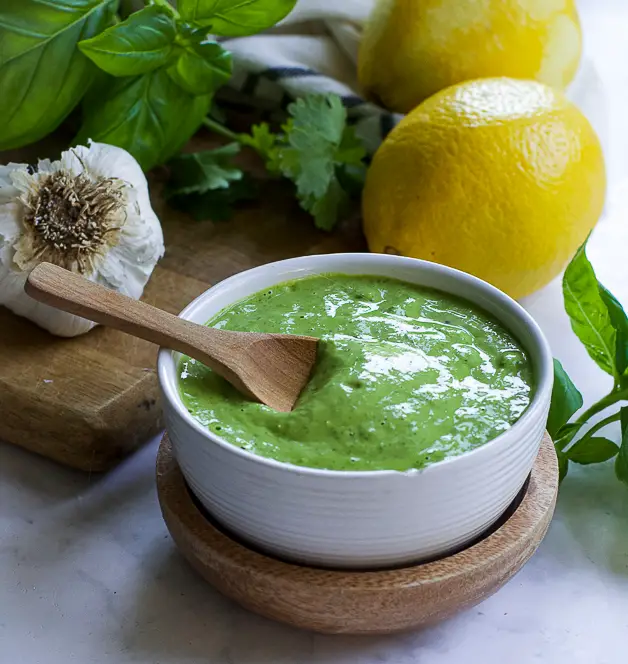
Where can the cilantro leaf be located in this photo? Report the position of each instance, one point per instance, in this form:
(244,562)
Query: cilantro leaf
(207,185)
(315,149)
(200,172)
(327,208)
(315,145)
(216,204)
(321,116)
(350,151)
(352,178)
(318,152)
(263,141)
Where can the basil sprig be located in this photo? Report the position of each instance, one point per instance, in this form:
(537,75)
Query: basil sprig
(601,324)
(162,68)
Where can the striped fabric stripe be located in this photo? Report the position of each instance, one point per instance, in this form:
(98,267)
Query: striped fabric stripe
(278,73)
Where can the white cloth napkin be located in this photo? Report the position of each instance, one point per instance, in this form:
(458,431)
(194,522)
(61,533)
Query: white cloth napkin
(315,50)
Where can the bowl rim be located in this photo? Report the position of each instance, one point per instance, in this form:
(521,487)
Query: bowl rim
(168,381)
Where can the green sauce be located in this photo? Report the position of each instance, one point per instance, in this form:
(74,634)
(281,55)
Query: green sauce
(405,376)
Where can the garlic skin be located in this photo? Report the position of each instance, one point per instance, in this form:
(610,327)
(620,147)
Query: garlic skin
(89,212)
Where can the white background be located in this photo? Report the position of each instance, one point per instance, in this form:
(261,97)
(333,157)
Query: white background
(89,574)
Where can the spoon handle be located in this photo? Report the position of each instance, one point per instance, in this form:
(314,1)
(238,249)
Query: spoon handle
(70,292)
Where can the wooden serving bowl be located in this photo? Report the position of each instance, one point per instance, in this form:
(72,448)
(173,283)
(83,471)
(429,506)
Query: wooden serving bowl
(359,602)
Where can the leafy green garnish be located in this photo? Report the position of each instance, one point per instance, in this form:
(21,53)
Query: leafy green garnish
(263,141)
(143,42)
(566,400)
(313,150)
(215,204)
(201,68)
(43,75)
(235,19)
(619,321)
(316,142)
(148,115)
(200,172)
(594,449)
(599,321)
(589,316)
(206,185)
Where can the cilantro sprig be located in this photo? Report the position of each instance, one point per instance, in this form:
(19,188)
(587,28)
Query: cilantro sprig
(315,149)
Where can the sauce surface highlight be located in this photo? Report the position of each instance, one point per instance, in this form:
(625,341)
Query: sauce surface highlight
(405,376)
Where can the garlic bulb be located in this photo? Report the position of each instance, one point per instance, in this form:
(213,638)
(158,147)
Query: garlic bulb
(88,212)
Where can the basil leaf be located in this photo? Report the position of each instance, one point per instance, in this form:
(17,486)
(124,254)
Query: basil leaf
(589,316)
(136,46)
(619,321)
(566,400)
(235,18)
(42,74)
(621,462)
(200,172)
(592,450)
(148,115)
(202,68)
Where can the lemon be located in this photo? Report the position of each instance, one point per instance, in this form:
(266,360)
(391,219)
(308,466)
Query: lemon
(498,177)
(413,48)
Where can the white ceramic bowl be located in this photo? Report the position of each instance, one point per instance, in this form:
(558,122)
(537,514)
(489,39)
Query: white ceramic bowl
(369,518)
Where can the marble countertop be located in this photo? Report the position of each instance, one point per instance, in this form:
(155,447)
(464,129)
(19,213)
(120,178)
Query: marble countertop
(89,574)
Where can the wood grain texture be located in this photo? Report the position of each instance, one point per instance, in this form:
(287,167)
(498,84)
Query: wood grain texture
(87,402)
(375,602)
(270,368)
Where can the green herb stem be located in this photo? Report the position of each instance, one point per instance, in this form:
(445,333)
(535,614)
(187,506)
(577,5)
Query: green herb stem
(602,423)
(222,130)
(603,404)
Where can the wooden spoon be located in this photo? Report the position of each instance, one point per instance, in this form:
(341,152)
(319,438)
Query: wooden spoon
(271,368)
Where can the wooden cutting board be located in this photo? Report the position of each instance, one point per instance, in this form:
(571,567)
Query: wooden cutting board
(87,402)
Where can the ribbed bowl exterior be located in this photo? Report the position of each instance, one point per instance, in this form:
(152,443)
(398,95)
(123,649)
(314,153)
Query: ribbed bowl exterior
(359,519)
